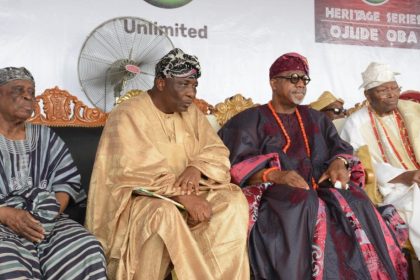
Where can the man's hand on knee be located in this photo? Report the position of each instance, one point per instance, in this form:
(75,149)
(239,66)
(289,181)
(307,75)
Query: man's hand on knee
(22,223)
(407,178)
(199,210)
(188,181)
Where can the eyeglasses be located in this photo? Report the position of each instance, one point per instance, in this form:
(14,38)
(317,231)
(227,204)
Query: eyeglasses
(336,111)
(387,91)
(294,78)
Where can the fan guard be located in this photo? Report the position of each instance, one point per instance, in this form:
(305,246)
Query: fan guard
(117,57)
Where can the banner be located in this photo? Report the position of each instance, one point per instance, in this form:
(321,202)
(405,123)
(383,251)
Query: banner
(235,41)
(381,23)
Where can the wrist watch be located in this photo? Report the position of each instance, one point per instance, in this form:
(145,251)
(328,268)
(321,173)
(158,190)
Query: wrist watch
(345,161)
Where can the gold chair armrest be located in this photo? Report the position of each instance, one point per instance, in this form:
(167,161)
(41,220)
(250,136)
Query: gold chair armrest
(370,179)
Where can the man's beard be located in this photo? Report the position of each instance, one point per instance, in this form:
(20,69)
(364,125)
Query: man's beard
(297,100)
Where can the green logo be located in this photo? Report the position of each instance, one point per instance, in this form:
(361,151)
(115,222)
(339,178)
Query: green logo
(168,4)
(375,2)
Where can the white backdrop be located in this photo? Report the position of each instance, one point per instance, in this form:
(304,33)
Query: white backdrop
(243,39)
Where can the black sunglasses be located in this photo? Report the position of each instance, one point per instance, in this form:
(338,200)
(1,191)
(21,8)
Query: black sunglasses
(294,78)
(336,111)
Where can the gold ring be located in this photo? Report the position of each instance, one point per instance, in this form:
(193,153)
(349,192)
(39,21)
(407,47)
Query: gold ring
(189,182)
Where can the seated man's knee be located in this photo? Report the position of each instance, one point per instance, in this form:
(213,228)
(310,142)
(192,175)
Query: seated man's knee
(163,210)
(234,202)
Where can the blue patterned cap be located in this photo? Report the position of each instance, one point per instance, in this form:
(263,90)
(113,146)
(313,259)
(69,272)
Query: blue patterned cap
(13,73)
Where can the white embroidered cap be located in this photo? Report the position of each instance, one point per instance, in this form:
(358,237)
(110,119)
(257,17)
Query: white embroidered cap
(377,74)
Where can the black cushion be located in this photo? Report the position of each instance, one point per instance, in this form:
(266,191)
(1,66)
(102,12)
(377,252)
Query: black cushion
(82,143)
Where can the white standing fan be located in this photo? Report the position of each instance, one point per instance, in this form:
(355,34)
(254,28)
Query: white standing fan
(120,55)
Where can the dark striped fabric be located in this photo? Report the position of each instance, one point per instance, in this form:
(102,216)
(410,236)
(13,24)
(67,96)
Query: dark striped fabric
(31,171)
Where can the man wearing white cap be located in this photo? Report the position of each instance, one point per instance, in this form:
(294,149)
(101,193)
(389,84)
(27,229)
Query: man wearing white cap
(391,129)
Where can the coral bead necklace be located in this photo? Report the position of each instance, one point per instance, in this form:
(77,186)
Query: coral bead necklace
(403,134)
(287,137)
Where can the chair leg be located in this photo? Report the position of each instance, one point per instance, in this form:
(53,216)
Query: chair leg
(415,264)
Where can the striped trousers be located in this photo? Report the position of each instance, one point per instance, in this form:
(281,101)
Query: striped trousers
(68,252)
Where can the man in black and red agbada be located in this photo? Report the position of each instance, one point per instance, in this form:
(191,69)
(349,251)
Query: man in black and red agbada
(309,217)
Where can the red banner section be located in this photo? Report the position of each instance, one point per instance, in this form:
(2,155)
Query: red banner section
(382,23)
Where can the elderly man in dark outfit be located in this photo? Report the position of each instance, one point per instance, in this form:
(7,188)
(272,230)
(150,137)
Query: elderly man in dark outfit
(312,220)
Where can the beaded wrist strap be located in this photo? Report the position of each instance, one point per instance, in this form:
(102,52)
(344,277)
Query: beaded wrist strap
(345,161)
(268,171)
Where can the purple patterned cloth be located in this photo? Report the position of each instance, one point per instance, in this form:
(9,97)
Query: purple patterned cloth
(308,234)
